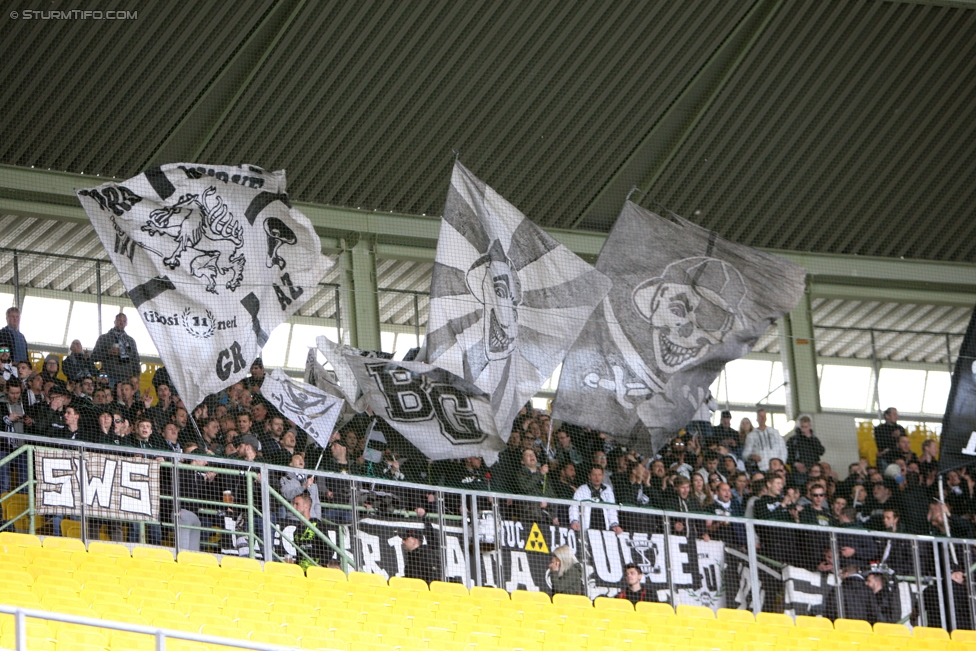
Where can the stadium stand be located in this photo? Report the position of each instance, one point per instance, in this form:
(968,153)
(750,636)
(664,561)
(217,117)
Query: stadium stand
(326,609)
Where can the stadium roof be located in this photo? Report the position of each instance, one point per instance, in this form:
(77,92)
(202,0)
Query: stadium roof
(842,127)
(838,127)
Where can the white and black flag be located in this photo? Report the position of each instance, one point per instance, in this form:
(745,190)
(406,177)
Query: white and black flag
(684,302)
(444,416)
(312,409)
(506,299)
(957,446)
(213,258)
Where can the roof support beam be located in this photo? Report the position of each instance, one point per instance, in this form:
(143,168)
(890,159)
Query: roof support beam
(50,195)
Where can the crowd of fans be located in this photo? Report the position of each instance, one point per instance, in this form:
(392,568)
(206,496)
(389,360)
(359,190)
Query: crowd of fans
(749,471)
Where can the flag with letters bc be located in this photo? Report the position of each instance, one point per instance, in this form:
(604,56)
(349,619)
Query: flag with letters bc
(684,302)
(213,258)
(957,444)
(506,299)
(443,415)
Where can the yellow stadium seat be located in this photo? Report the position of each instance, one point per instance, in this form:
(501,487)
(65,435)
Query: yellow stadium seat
(700,612)
(365,578)
(70,528)
(134,641)
(775,619)
(821,623)
(444,587)
(325,574)
(19,539)
(882,628)
(572,600)
(734,614)
(404,583)
(240,563)
(962,635)
(652,608)
(930,633)
(930,644)
(620,605)
(57,542)
(197,559)
(536,597)
(486,592)
(284,569)
(852,626)
(154,554)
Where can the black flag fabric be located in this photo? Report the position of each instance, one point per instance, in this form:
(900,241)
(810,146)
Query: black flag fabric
(684,302)
(957,445)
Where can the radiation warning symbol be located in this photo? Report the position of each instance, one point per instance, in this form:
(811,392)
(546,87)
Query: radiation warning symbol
(536,543)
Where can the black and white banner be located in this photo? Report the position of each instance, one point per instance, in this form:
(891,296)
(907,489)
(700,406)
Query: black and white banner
(521,555)
(115,487)
(957,445)
(213,258)
(506,299)
(441,414)
(683,303)
(310,408)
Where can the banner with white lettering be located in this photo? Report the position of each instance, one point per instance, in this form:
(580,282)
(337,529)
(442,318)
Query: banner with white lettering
(957,445)
(684,302)
(213,258)
(437,411)
(115,487)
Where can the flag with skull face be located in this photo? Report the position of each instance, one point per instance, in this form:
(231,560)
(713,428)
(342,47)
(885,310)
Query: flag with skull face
(684,302)
(506,299)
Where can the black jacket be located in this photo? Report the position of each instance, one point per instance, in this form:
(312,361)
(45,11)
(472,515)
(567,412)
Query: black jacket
(424,562)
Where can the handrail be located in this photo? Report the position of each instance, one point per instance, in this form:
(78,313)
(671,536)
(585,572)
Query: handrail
(20,615)
(346,559)
(255,465)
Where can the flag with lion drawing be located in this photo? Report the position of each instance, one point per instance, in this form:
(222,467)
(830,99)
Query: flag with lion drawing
(213,258)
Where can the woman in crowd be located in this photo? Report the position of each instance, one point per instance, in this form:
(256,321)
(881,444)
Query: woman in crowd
(565,572)
(700,493)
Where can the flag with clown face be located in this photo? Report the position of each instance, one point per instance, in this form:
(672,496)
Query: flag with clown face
(684,302)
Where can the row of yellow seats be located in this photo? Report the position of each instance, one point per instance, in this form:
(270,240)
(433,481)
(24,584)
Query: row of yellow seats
(250,573)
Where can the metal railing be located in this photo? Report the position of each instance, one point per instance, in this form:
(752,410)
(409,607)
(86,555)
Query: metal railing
(503,540)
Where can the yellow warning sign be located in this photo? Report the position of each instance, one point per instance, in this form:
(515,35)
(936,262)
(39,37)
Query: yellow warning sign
(536,543)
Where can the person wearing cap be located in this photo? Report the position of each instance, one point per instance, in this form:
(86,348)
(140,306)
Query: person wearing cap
(49,416)
(421,561)
(117,352)
(256,379)
(12,335)
(724,433)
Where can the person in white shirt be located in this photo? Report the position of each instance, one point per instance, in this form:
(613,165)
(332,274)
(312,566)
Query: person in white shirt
(763,443)
(595,490)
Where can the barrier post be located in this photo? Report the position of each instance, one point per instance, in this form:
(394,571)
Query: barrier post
(754,590)
(667,560)
(268,545)
(836,564)
(250,512)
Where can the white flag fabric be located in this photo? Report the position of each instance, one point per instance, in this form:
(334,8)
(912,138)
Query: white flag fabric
(312,409)
(348,384)
(213,258)
(506,299)
(375,444)
(684,302)
(444,416)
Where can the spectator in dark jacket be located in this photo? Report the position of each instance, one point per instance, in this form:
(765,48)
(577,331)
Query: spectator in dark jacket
(78,363)
(421,561)
(565,572)
(634,590)
(803,449)
(859,600)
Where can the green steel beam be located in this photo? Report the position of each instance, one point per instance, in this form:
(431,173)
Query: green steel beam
(360,304)
(50,195)
(799,354)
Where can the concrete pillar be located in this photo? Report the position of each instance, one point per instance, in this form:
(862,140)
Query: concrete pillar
(799,354)
(360,306)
